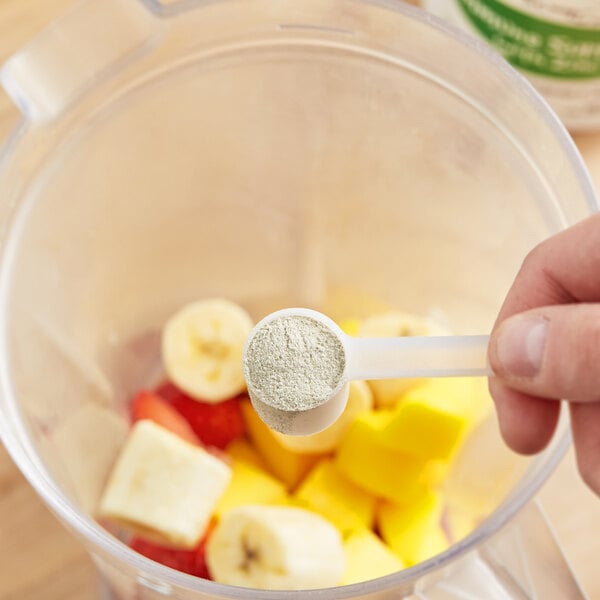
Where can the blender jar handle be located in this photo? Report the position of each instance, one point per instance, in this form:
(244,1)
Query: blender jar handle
(522,561)
(75,51)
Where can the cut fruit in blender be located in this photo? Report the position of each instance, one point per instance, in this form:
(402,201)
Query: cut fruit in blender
(163,488)
(360,399)
(350,326)
(432,418)
(394,324)
(364,458)
(250,485)
(288,512)
(275,548)
(148,405)
(243,450)
(214,424)
(290,467)
(413,531)
(327,492)
(367,557)
(192,562)
(202,346)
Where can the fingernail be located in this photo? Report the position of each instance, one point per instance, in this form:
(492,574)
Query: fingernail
(520,345)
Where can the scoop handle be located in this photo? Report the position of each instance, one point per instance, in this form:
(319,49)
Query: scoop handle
(415,356)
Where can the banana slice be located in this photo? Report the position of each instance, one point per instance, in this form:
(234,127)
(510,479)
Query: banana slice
(393,324)
(275,548)
(163,488)
(360,399)
(202,347)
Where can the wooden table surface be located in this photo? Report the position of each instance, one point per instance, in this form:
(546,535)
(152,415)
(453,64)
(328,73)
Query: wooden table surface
(40,561)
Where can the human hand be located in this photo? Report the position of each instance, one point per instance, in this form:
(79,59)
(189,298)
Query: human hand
(545,346)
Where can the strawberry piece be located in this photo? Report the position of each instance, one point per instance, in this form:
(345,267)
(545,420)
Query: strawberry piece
(168,391)
(148,405)
(215,424)
(192,562)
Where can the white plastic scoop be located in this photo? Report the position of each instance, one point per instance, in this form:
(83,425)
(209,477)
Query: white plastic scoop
(298,363)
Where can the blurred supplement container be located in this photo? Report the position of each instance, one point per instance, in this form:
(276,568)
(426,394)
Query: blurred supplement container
(555,43)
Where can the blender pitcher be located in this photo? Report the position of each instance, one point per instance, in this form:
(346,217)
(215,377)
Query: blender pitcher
(341,155)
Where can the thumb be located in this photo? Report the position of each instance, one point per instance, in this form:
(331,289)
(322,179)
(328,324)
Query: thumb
(550,352)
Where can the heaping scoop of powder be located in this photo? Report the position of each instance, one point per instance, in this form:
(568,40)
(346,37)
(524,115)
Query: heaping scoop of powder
(294,363)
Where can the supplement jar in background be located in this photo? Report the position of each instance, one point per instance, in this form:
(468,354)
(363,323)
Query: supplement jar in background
(555,43)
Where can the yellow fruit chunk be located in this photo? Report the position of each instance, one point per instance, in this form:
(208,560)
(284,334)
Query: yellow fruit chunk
(290,467)
(244,451)
(431,419)
(436,472)
(360,399)
(365,459)
(249,485)
(350,326)
(367,557)
(326,491)
(413,531)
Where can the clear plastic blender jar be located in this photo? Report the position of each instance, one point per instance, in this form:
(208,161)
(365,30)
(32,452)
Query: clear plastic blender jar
(334,154)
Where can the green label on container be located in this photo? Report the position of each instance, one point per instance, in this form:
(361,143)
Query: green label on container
(533,44)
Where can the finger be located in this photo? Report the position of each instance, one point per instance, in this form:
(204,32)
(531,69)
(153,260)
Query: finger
(526,423)
(560,270)
(585,424)
(550,352)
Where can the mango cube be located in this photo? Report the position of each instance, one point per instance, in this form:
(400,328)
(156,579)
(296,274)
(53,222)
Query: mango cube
(350,326)
(326,491)
(432,418)
(288,466)
(367,557)
(242,450)
(360,400)
(366,460)
(413,531)
(436,473)
(249,485)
